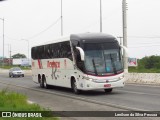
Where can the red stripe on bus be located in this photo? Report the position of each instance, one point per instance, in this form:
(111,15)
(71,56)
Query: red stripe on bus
(39,64)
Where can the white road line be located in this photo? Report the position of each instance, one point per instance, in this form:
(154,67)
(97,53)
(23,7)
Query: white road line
(140,93)
(30,102)
(144,85)
(82,99)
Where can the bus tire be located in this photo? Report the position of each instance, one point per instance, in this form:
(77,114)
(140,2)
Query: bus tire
(45,83)
(108,90)
(41,83)
(74,86)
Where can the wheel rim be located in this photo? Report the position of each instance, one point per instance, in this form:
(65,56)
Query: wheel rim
(45,84)
(40,82)
(75,86)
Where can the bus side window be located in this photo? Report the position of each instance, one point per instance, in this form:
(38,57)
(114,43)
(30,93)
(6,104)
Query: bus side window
(79,63)
(43,52)
(68,53)
(33,55)
(52,51)
(36,52)
(48,51)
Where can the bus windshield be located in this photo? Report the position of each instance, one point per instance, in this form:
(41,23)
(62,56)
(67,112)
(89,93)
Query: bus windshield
(102,59)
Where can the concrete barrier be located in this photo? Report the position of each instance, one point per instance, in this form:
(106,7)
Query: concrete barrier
(143,78)
(28,72)
(6,71)
(139,78)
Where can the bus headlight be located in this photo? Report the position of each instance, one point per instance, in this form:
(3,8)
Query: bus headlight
(87,78)
(94,80)
(90,79)
(121,77)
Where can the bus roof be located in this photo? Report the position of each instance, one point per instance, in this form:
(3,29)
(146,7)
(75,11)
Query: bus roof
(92,36)
(61,39)
(82,36)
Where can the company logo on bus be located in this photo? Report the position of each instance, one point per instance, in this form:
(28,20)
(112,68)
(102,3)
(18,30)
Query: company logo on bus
(53,64)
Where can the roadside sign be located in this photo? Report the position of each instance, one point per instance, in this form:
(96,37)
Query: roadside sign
(132,62)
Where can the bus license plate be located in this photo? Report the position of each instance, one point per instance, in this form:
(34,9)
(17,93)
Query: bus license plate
(107,85)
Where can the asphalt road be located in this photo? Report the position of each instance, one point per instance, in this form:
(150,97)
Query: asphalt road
(145,97)
(142,97)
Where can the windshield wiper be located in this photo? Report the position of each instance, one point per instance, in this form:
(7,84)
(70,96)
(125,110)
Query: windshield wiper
(114,67)
(94,65)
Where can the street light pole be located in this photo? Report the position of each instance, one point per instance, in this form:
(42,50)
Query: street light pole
(61,19)
(100,15)
(124,8)
(10,55)
(3,41)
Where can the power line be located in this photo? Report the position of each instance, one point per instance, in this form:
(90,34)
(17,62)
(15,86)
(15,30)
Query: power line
(35,34)
(11,38)
(144,36)
(146,43)
(44,29)
(143,46)
(103,18)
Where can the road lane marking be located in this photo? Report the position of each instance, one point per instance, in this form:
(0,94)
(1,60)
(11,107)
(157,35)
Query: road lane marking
(30,102)
(140,93)
(81,98)
(144,85)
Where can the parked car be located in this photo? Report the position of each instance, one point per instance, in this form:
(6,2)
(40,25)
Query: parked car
(16,71)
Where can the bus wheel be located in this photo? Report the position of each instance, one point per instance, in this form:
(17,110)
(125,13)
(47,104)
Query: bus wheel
(41,83)
(74,87)
(45,83)
(108,90)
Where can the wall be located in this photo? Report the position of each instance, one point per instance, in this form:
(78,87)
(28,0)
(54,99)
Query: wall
(5,71)
(144,78)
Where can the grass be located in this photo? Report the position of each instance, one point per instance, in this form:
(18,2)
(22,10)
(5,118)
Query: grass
(10,66)
(11,101)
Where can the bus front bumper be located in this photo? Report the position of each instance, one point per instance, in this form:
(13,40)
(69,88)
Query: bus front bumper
(90,85)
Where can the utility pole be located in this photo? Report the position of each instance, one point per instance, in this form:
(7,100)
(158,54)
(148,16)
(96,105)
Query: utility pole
(3,41)
(61,19)
(10,56)
(100,15)
(125,57)
(9,53)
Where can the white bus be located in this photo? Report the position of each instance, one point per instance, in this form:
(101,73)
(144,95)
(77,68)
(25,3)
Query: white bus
(88,61)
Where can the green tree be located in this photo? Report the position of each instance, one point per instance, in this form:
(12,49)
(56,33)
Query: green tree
(150,62)
(18,55)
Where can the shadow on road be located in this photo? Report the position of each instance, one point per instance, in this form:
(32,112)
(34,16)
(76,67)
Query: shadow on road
(83,93)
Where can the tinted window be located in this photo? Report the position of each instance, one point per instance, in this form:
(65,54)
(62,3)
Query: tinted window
(56,50)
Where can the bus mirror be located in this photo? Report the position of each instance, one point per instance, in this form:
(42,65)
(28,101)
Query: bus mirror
(125,49)
(81,53)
